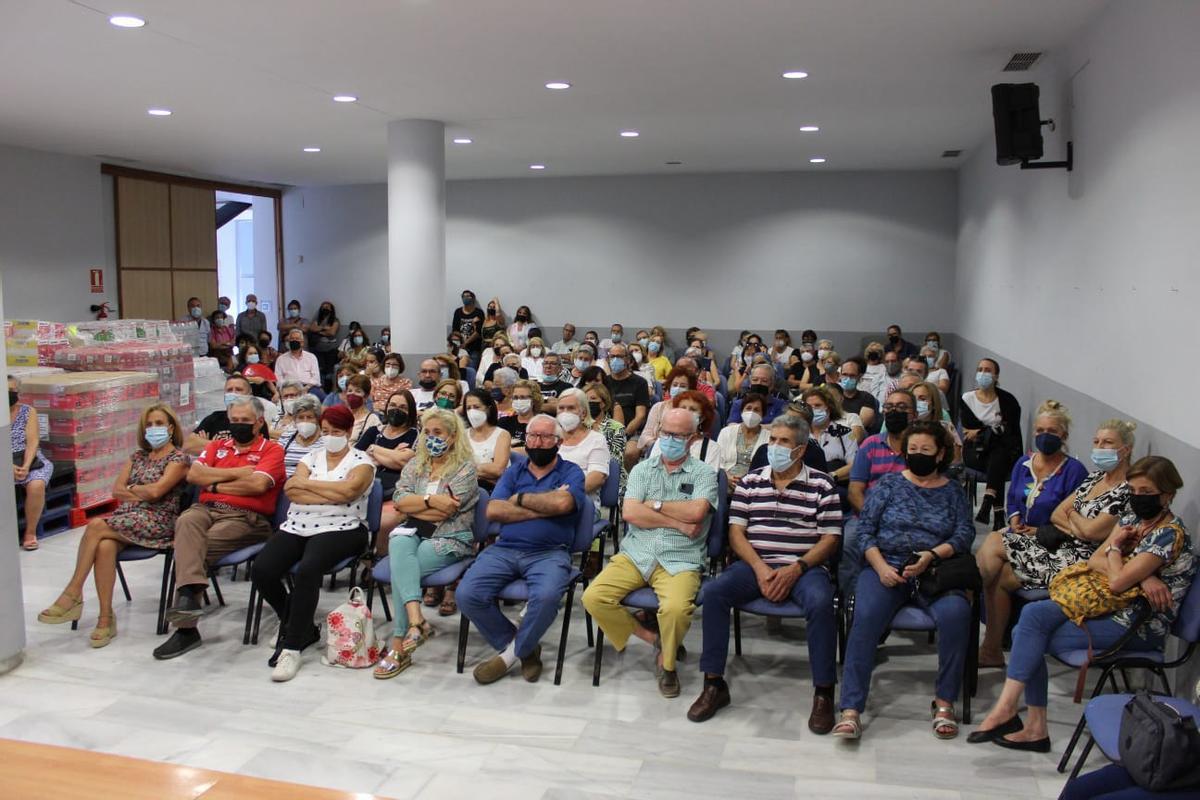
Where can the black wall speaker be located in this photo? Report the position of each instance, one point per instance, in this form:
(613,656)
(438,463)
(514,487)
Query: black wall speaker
(1018,123)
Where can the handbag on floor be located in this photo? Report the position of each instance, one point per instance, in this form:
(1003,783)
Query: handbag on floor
(1159,746)
(959,572)
(350,634)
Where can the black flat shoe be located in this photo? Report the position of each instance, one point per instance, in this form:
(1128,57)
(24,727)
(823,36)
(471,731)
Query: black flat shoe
(1035,746)
(1012,725)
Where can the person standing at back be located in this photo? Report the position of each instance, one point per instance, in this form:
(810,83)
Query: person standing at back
(251,322)
(468,321)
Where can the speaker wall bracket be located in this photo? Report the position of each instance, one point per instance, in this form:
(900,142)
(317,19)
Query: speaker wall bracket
(1068,165)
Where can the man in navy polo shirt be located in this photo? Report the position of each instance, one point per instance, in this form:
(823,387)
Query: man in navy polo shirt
(537,505)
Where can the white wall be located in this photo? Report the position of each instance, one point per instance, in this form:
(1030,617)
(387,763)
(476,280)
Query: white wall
(52,232)
(1092,277)
(842,251)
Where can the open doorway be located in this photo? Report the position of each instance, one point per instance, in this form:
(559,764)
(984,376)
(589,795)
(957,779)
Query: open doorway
(247,256)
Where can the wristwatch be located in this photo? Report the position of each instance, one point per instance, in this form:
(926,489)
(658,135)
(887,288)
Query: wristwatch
(426,498)
(213,488)
(800,562)
(520,499)
(1111,548)
(657,505)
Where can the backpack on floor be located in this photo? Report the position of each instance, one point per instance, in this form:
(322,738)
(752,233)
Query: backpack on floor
(350,634)
(1159,746)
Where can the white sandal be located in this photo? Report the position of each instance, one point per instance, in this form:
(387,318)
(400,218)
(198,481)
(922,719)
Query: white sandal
(943,727)
(853,729)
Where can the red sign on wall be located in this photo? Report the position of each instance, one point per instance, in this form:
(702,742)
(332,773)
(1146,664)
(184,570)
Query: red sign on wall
(97,281)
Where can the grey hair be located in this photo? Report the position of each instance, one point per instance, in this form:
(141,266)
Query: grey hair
(553,421)
(505,377)
(766,366)
(307,402)
(695,426)
(253,402)
(292,385)
(795,424)
(581,398)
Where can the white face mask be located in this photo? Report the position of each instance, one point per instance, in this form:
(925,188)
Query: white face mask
(752,419)
(476,416)
(822,352)
(523,405)
(251,306)
(568,421)
(391,372)
(335,444)
(289,406)
(535,352)
(306,429)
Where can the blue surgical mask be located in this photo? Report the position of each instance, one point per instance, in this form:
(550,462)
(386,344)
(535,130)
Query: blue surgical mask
(820,416)
(223,306)
(617,364)
(644,341)
(930,361)
(1106,460)
(158,436)
(342,382)
(233,397)
(436,445)
(582,365)
(293,312)
(676,391)
(934,343)
(922,409)
(444,372)
(780,457)
(252,358)
(672,448)
(654,347)
(985,380)
(615,336)
(197,312)
(848,384)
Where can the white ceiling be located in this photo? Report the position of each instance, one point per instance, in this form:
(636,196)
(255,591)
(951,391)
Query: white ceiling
(892,83)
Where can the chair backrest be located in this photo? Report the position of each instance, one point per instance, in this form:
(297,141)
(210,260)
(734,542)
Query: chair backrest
(717,528)
(517,460)
(479,526)
(317,392)
(610,492)
(281,510)
(375,508)
(721,409)
(469,376)
(585,528)
(1187,621)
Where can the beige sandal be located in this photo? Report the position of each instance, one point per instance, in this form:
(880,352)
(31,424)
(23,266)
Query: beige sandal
(392,664)
(56,614)
(848,727)
(103,634)
(424,632)
(943,727)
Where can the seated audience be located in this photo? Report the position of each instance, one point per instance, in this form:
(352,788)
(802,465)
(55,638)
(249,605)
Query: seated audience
(148,489)
(216,427)
(391,380)
(738,441)
(912,519)
(666,510)
(582,361)
(933,340)
(1114,782)
(269,354)
(600,407)
(491,355)
(297,364)
(356,344)
(241,478)
(936,375)
(783,353)
(502,389)
(567,344)
(326,524)
(656,352)
(355,398)
(263,380)
(428,375)
(580,444)
(855,400)
(689,366)
(881,454)
(436,496)
(784,525)
(629,391)
(679,380)
(490,443)
(830,365)
(345,371)
(991,423)
(31,469)
(532,357)
(385,339)
(641,365)
(289,393)
(305,435)
(552,384)
(526,401)
(762,383)
(931,409)
(390,448)
(448,394)
(537,503)
(1149,549)
(838,440)
(803,373)
(702,448)
(896,343)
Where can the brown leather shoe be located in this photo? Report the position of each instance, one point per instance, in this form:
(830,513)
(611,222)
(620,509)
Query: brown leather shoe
(668,683)
(820,721)
(491,670)
(531,665)
(711,700)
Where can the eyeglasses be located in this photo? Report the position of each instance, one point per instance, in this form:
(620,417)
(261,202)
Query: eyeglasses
(679,438)
(541,437)
(897,407)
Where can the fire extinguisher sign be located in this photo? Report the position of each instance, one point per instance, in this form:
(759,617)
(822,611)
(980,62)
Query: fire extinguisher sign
(97,279)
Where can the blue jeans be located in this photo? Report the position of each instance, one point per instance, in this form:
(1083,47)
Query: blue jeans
(547,573)
(874,607)
(1113,782)
(738,585)
(1043,627)
(851,562)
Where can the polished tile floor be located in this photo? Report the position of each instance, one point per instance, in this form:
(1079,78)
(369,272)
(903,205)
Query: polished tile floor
(431,733)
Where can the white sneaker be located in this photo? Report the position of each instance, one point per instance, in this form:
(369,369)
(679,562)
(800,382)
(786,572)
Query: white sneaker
(287,666)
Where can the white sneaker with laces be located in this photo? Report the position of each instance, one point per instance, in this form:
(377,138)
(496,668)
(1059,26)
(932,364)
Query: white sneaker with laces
(287,666)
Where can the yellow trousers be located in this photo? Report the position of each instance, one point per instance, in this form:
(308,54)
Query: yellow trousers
(676,603)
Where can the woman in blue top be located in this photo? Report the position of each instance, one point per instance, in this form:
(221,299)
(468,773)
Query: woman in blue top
(1016,558)
(1150,549)
(910,520)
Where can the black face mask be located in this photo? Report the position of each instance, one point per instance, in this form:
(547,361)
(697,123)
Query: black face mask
(242,432)
(491,311)
(522,318)
(1146,506)
(896,422)
(594,409)
(427,383)
(893,338)
(468,301)
(893,368)
(294,346)
(397,417)
(1048,443)
(759,389)
(541,456)
(921,464)
(12,397)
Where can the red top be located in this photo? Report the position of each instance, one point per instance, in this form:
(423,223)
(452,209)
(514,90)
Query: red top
(262,454)
(259,371)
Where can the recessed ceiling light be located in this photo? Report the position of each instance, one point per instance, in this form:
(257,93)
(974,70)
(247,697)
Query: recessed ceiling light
(809,129)
(816,161)
(159,112)
(127,21)
(345,98)
(674,163)
(537,166)
(558,85)
(795,75)
(463,140)
(312,149)
(630,134)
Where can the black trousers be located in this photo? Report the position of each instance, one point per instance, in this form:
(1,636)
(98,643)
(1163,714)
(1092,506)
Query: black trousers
(998,467)
(315,556)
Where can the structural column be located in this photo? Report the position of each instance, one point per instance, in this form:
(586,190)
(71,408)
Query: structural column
(12,604)
(417,238)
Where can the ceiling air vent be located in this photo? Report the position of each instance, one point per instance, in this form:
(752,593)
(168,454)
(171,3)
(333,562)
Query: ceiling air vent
(951,153)
(1021,62)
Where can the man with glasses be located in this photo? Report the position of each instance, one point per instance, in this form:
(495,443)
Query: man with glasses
(667,505)
(537,504)
(551,382)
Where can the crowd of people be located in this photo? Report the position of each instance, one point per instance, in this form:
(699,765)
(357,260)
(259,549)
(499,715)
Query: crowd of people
(844,473)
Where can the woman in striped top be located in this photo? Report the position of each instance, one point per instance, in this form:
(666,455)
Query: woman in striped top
(306,435)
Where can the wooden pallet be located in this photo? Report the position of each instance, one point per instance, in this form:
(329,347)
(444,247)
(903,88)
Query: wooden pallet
(80,516)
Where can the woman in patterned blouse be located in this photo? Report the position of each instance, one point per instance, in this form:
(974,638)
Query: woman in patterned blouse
(1149,549)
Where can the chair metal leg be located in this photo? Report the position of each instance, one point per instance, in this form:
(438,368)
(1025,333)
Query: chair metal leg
(217,588)
(1125,679)
(737,632)
(562,640)
(387,608)
(1162,674)
(599,657)
(164,594)
(1066,756)
(250,614)
(258,604)
(124,585)
(464,627)
(1087,748)
(591,634)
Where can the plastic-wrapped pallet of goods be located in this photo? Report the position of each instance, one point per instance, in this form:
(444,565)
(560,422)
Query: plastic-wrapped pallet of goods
(190,334)
(210,386)
(33,343)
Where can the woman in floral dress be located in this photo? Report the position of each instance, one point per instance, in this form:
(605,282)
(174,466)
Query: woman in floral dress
(149,489)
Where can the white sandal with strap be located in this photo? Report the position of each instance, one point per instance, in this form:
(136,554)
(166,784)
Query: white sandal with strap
(943,727)
(852,729)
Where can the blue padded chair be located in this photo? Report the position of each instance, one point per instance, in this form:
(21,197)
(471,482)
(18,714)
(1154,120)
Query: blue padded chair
(645,599)
(518,591)
(610,498)
(722,413)
(1116,658)
(317,392)
(1103,718)
(381,573)
(468,375)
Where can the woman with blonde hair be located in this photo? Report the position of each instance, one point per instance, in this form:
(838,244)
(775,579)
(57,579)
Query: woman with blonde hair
(448,393)
(149,489)
(929,409)
(1020,557)
(526,402)
(436,493)
(833,432)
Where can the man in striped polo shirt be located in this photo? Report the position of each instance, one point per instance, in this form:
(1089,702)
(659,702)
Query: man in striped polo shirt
(785,521)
